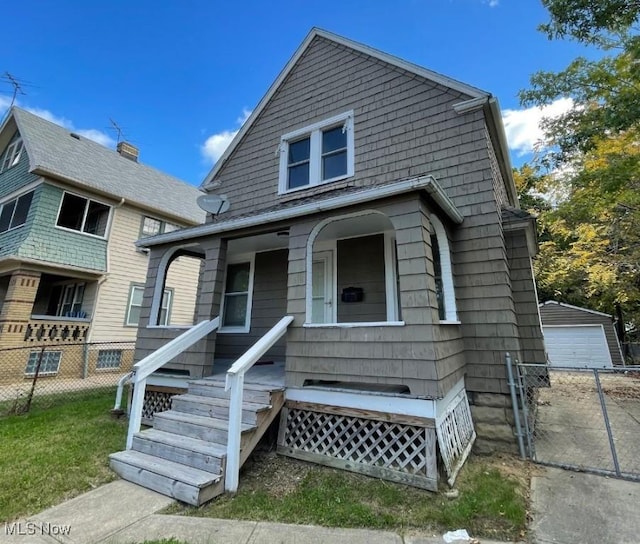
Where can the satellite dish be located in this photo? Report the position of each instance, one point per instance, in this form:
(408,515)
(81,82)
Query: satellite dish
(214,204)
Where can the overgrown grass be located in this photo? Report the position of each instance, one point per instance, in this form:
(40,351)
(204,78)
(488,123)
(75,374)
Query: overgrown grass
(490,504)
(50,455)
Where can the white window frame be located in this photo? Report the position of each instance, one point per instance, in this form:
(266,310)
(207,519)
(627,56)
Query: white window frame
(76,298)
(314,132)
(12,155)
(110,355)
(450,307)
(45,354)
(84,216)
(164,226)
(238,259)
(169,296)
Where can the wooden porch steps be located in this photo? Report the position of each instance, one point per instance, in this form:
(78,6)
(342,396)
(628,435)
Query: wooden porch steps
(184,454)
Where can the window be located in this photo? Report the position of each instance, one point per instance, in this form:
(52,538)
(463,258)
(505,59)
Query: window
(317,154)
(443,273)
(49,364)
(152,226)
(109,358)
(12,155)
(71,300)
(84,215)
(14,212)
(236,304)
(135,305)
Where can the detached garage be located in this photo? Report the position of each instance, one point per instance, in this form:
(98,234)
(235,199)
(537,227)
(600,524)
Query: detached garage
(578,337)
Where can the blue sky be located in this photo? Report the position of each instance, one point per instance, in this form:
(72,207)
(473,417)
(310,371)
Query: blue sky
(179,76)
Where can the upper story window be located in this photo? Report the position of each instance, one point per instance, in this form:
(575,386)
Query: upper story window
(152,226)
(14,212)
(12,155)
(134,307)
(84,215)
(317,154)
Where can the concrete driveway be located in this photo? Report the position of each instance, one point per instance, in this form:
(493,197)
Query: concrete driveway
(574,507)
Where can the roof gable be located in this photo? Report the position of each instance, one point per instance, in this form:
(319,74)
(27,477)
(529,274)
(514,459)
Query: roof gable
(470,91)
(54,151)
(571,306)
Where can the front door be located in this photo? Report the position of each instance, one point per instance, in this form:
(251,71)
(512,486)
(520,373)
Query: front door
(322,288)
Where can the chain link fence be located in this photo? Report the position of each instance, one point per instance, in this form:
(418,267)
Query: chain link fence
(43,376)
(581,419)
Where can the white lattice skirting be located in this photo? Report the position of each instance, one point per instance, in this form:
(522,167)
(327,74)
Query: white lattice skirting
(400,448)
(156,399)
(455,434)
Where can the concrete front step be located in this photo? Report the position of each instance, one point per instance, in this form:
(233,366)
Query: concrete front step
(215,388)
(201,427)
(176,480)
(216,407)
(195,453)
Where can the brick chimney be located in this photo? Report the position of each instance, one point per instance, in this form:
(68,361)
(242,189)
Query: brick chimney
(128,151)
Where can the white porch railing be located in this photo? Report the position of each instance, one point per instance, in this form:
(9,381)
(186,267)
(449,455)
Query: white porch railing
(152,362)
(235,383)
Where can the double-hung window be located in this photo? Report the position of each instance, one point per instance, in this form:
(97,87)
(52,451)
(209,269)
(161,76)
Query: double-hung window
(71,300)
(236,304)
(317,154)
(152,226)
(14,212)
(84,215)
(135,305)
(12,155)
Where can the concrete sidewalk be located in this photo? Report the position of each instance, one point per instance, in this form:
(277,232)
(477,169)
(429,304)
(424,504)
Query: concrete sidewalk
(123,513)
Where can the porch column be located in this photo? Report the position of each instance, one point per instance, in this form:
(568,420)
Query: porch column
(17,307)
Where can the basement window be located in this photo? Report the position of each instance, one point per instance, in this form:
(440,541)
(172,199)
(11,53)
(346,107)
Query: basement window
(49,363)
(83,215)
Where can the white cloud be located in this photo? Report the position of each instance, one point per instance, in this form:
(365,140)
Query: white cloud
(90,133)
(493,3)
(216,144)
(524,133)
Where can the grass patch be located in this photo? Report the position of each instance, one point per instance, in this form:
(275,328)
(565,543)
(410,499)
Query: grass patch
(50,455)
(491,503)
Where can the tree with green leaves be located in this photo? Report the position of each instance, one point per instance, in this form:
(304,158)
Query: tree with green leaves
(590,238)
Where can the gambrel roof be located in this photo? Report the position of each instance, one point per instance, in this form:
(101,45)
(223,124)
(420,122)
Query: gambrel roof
(56,152)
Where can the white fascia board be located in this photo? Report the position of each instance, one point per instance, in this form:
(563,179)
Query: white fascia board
(463,88)
(426,183)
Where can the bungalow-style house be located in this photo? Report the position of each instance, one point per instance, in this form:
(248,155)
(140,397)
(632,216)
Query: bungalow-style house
(367,251)
(70,212)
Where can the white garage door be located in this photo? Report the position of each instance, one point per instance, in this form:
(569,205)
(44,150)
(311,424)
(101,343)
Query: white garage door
(577,346)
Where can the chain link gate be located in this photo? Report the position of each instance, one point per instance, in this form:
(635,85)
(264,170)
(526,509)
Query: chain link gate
(578,418)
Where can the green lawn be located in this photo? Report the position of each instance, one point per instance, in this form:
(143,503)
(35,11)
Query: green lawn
(491,503)
(50,455)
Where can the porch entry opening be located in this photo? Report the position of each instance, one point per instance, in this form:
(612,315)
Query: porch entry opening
(354,272)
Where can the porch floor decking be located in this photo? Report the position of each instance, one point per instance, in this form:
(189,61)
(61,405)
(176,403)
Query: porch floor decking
(262,373)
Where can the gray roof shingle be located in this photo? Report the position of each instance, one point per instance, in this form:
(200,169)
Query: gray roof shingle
(52,150)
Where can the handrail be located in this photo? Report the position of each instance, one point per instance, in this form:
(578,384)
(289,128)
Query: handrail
(126,378)
(142,369)
(235,384)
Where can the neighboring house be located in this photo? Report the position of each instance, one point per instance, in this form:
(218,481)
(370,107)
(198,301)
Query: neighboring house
(579,337)
(373,201)
(70,213)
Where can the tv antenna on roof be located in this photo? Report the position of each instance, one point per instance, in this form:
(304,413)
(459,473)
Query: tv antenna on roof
(16,84)
(118,130)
